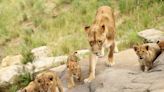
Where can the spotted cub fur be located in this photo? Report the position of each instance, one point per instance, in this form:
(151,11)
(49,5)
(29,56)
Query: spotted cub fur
(73,69)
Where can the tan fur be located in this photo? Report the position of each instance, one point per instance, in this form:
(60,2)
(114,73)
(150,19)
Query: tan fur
(32,87)
(161,44)
(101,34)
(74,69)
(147,53)
(48,81)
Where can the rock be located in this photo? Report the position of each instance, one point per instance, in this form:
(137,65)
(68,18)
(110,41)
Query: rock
(12,60)
(41,52)
(83,51)
(43,63)
(61,58)
(9,75)
(48,62)
(152,35)
(124,76)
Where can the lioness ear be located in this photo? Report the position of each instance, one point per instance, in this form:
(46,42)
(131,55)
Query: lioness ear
(86,28)
(103,28)
(147,47)
(135,47)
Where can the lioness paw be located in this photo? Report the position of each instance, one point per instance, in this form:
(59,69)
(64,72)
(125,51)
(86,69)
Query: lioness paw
(70,86)
(109,64)
(87,80)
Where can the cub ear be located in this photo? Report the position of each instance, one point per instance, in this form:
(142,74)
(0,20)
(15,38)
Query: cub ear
(75,53)
(158,42)
(135,47)
(86,28)
(147,47)
(24,90)
(103,28)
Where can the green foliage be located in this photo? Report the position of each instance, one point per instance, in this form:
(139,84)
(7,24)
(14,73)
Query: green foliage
(65,32)
(27,56)
(25,79)
(13,88)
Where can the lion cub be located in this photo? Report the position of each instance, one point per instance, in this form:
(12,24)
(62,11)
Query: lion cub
(48,81)
(161,44)
(31,87)
(74,69)
(147,53)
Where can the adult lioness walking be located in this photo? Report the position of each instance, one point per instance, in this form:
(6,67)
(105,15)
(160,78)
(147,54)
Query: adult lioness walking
(101,35)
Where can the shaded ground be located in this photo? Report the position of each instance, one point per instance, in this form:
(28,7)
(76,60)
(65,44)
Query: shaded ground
(125,76)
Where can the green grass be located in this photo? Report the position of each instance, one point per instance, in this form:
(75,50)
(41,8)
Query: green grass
(27,56)
(64,33)
(24,80)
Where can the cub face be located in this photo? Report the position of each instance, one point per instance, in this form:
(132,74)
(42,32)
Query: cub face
(46,80)
(96,38)
(141,51)
(32,87)
(73,65)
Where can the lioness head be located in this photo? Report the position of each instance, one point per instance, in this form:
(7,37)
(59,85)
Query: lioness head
(73,65)
(46,80)
(96,37)
(141,51)
(32,87)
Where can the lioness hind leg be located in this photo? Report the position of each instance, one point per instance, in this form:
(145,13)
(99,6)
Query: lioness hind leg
(110,61)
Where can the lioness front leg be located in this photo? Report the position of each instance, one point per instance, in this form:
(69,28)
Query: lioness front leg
(92,67)
(110,61)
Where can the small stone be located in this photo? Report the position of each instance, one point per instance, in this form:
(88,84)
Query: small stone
(12,60)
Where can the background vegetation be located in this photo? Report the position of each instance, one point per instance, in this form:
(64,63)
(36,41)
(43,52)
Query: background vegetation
(26,24)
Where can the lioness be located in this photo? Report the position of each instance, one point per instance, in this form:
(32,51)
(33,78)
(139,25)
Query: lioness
(161,44)
(48,81)
(101,35)
(147,53)
(74,69)
(31,87)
